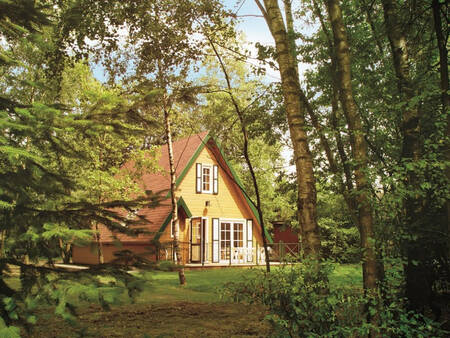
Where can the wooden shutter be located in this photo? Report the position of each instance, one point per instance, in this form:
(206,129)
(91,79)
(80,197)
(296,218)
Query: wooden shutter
(215,242)
(249,240)
(215,180)
(198,181)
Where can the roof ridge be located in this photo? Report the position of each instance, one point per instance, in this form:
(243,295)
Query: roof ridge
(203,135)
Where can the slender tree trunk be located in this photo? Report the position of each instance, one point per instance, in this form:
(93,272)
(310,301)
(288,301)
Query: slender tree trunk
(368,10)
(345,187)
(418,288)
(2,243)
(255,185)
(445,98)
(359,150)
(63,253)
(240,114)
(174,223)
(295,111)
(100,256)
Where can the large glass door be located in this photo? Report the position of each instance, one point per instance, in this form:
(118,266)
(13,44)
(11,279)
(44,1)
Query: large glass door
(231,240)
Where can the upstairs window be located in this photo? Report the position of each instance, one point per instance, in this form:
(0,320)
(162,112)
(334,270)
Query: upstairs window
(207,179)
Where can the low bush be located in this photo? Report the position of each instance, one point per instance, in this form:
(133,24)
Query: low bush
(302,303)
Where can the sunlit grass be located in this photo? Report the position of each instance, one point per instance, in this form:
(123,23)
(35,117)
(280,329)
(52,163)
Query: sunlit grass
(347,275)
(205,286)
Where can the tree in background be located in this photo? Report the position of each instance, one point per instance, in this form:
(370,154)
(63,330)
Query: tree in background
(48,166)
(161,44)
(359,153)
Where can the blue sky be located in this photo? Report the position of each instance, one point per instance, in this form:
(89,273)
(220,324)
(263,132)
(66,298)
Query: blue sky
(251,23)
(255,29)
(251,20)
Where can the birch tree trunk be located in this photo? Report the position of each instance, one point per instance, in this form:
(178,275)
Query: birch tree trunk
(2,243)
(359,149)
(295,111)
(100,256)
(174,223)
(345,187)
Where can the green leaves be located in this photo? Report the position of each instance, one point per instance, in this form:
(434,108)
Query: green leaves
(302,302)
(9,331)
(10,307)
(63,138)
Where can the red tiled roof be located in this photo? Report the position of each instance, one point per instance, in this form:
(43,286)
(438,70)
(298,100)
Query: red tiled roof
(183,150)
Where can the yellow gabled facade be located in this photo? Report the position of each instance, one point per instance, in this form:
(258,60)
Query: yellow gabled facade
(227,208)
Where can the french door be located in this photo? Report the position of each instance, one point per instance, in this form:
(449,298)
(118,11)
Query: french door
(197,240)
(231,240)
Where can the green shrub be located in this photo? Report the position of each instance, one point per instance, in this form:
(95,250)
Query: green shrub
(302,303)
(340,242)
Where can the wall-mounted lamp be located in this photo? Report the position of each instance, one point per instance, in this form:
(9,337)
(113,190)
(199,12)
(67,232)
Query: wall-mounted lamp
(207,203)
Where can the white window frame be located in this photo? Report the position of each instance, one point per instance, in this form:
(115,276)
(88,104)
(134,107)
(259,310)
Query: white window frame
(211,175)
(232,221)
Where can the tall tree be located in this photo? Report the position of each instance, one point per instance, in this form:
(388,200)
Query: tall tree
(359,147)
(160,41)
(441,37)
(43,192)
(295,111)
(240,113)
(418,267)
(173,199)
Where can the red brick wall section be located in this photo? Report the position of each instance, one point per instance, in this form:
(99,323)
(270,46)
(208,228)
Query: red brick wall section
(88,255)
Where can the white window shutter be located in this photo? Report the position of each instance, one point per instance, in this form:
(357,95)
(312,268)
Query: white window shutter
(249,240)
(215,237)
(198,181)
(215,180)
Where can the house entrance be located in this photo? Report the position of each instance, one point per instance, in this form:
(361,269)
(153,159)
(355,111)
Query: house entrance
(197,240)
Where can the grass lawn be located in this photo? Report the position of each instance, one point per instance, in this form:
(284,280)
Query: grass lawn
(347,275)
(168,310)
(205,285)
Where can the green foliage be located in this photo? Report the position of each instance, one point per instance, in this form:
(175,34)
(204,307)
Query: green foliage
(9,331)
(340,237)
(263,122)
(340,244)
(65,291)
(60,154)
(303,303)
(298,298)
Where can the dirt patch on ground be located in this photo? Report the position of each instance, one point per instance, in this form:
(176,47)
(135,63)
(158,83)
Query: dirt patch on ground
(162,320)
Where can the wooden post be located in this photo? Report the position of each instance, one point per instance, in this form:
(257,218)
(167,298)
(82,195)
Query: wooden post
(256,254)
(172,251)
(280,253)
(202,242)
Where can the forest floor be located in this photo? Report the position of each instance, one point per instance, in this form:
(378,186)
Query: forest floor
(198,309)
(175,319)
